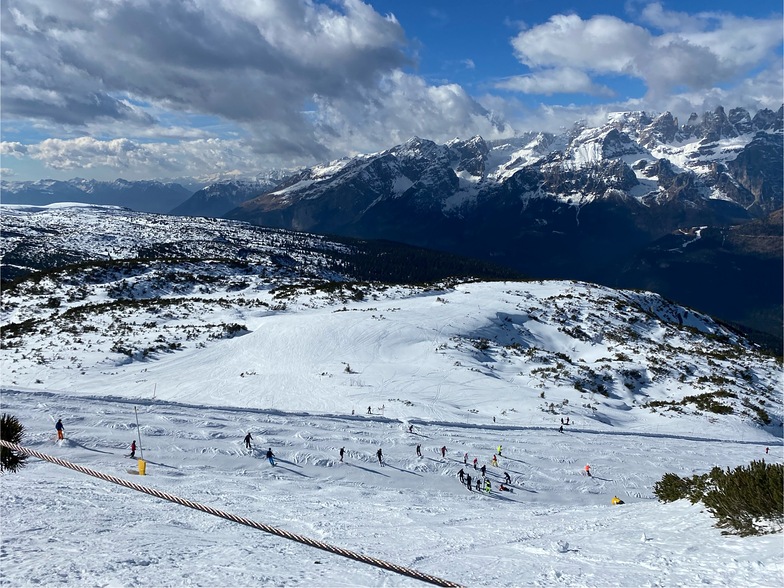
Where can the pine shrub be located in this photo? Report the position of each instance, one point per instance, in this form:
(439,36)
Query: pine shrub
(11,430)
(746,500)
(671,488)
(743,498)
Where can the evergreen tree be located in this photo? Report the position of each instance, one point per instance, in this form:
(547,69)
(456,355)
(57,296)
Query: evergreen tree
(11,430)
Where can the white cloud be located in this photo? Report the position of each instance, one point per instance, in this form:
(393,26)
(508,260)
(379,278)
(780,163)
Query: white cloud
(13,148)
(141,159)
(554,81)
(696,52)
(405,107)
(604,44)
(165,87)
(242,61)
(258,66)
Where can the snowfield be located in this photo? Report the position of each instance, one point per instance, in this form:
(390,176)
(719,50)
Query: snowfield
(556,527)
(648,387)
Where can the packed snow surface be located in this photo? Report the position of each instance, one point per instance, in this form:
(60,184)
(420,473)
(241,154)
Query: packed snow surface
(434,369)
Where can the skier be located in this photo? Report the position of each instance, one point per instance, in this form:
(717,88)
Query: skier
(494,461)
(410,428)
(560,429)
(133,449)
(468,482)
(461,475)
(465,459)
(483,469)
(368,410)
(588,470)
(380,456)
(248,438)
(475,460)
(271,456)
(616,500)
(562,421)
(567,420)
(443,451)
(478,485)
(499,450)
(767,450)
(342,450)
(419,451)
(60,429)
(488,486)
(507,478)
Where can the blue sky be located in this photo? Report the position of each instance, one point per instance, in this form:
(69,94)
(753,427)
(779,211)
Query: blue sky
(165,88)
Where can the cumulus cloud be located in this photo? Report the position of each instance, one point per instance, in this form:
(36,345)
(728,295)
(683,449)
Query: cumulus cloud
(13,148)
(693,52)
(406,107)
(166,87)
(554,81)
(141,159)
(240,60)
(299,80)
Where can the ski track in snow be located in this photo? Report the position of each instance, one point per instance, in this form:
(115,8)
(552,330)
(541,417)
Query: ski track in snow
(556,527)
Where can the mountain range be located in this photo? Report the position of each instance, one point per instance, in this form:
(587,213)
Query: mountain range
(692,211)
(594,203)
(144,195)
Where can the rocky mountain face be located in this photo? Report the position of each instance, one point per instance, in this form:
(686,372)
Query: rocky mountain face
(585,204)
(143,196)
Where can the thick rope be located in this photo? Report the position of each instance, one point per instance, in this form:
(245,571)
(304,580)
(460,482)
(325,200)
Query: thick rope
(404,571)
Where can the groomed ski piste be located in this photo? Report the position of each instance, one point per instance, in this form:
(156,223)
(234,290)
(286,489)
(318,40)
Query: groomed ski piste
(301,381)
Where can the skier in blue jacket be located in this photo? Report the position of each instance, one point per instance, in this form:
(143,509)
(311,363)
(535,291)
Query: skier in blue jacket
(271,456)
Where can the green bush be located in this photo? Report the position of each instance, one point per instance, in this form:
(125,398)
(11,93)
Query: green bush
(745,497)
(744,500)
(671,487)
(11,430)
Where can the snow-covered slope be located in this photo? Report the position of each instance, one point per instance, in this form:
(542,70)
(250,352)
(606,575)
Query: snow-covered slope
(556,527)
(207,351)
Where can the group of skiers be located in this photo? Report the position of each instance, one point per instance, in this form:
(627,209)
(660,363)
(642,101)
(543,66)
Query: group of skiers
(465,478)
(484,481)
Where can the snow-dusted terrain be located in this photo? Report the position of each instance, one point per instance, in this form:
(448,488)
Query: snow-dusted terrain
(648,387)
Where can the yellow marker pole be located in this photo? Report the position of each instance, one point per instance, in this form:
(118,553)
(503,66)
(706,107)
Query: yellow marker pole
(142,463)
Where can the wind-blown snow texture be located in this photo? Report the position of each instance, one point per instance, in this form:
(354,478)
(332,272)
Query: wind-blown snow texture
(469,366)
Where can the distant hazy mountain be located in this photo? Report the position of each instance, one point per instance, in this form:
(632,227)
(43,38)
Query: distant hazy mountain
(144,195)
(219,198)
(582,205)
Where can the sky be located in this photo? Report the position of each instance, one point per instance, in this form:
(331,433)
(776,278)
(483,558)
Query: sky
(143,89)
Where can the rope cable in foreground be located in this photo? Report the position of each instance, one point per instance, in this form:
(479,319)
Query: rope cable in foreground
(379,563)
